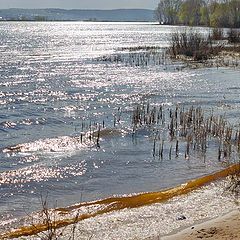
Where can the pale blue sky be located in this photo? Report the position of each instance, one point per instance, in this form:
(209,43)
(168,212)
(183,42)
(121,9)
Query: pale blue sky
(80,4)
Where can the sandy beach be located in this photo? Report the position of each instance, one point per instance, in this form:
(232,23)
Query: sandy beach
(222,228)
(177,218)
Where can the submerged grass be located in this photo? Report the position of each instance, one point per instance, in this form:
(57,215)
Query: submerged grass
(221,48)
(136,58)
(140,48)
(191,127)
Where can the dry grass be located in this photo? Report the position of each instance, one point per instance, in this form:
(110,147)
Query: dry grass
(48,217)
(234,184)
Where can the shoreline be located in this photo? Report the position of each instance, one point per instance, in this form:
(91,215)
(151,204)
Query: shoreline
(228,59)
(164,221)
(109,205)
(222,227)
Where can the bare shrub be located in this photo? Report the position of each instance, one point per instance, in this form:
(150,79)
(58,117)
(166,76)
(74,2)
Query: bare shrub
(191,44)
(48,217)
(217,34)
(233,36)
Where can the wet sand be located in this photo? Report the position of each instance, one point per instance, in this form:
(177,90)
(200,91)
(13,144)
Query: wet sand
(226,227)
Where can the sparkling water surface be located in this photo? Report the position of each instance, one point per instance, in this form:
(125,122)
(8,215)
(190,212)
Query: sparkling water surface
(52,83)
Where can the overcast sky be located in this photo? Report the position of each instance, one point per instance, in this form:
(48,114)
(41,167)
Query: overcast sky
(80,4)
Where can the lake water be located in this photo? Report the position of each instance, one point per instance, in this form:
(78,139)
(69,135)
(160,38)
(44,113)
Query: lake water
(58,81)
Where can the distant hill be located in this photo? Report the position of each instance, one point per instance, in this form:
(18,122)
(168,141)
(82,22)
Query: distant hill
(50,14)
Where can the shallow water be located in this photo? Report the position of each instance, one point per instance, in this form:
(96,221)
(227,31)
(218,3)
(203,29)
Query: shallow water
(53,86)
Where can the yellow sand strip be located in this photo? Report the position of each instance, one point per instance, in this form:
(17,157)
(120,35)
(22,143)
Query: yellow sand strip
(118,203)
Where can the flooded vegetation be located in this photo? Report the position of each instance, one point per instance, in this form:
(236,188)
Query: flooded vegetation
(215,47)
(138,57)
(91,111)
(191,126)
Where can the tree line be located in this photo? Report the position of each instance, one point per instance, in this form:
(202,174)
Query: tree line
(214,13)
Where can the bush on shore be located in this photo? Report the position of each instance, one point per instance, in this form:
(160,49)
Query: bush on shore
(217,34)
(198,47)
(193,45)
(233,36)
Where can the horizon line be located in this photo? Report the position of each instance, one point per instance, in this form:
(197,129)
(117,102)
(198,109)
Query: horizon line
(67,9)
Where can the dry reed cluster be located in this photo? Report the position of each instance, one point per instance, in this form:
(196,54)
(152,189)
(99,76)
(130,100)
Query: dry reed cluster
(137,57)
(191,127)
